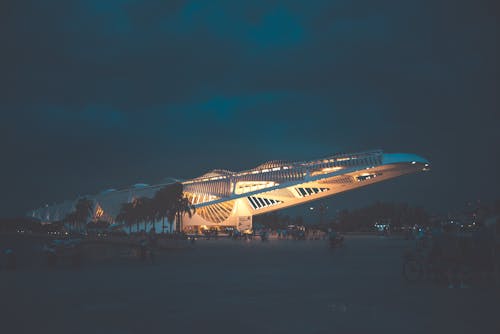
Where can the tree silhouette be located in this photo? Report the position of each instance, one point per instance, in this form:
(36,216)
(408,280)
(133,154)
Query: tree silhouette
(84,209)
(127,214)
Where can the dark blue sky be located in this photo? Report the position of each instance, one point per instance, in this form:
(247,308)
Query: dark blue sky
(100,94)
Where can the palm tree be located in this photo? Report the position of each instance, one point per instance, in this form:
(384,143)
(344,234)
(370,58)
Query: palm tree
(83,210)
(139,211)
(180,207)
(127,214)
(170,203)
(162,203)
(148,211)
(144,211)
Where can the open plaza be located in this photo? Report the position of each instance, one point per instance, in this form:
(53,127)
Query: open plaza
(238,286)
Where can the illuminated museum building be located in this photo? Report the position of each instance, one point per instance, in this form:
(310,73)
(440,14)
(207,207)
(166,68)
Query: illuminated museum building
(225,198)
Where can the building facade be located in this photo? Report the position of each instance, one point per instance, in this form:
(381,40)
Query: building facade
(224,198)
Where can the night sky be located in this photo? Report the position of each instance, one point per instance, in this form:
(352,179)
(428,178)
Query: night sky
(105,94)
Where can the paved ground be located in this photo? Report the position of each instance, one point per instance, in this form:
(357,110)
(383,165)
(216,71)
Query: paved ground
(226,286)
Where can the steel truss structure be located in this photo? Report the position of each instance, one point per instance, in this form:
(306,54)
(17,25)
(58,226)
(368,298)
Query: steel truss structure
(225,198)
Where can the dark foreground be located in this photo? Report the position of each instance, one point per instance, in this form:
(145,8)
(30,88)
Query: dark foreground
(245,287)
